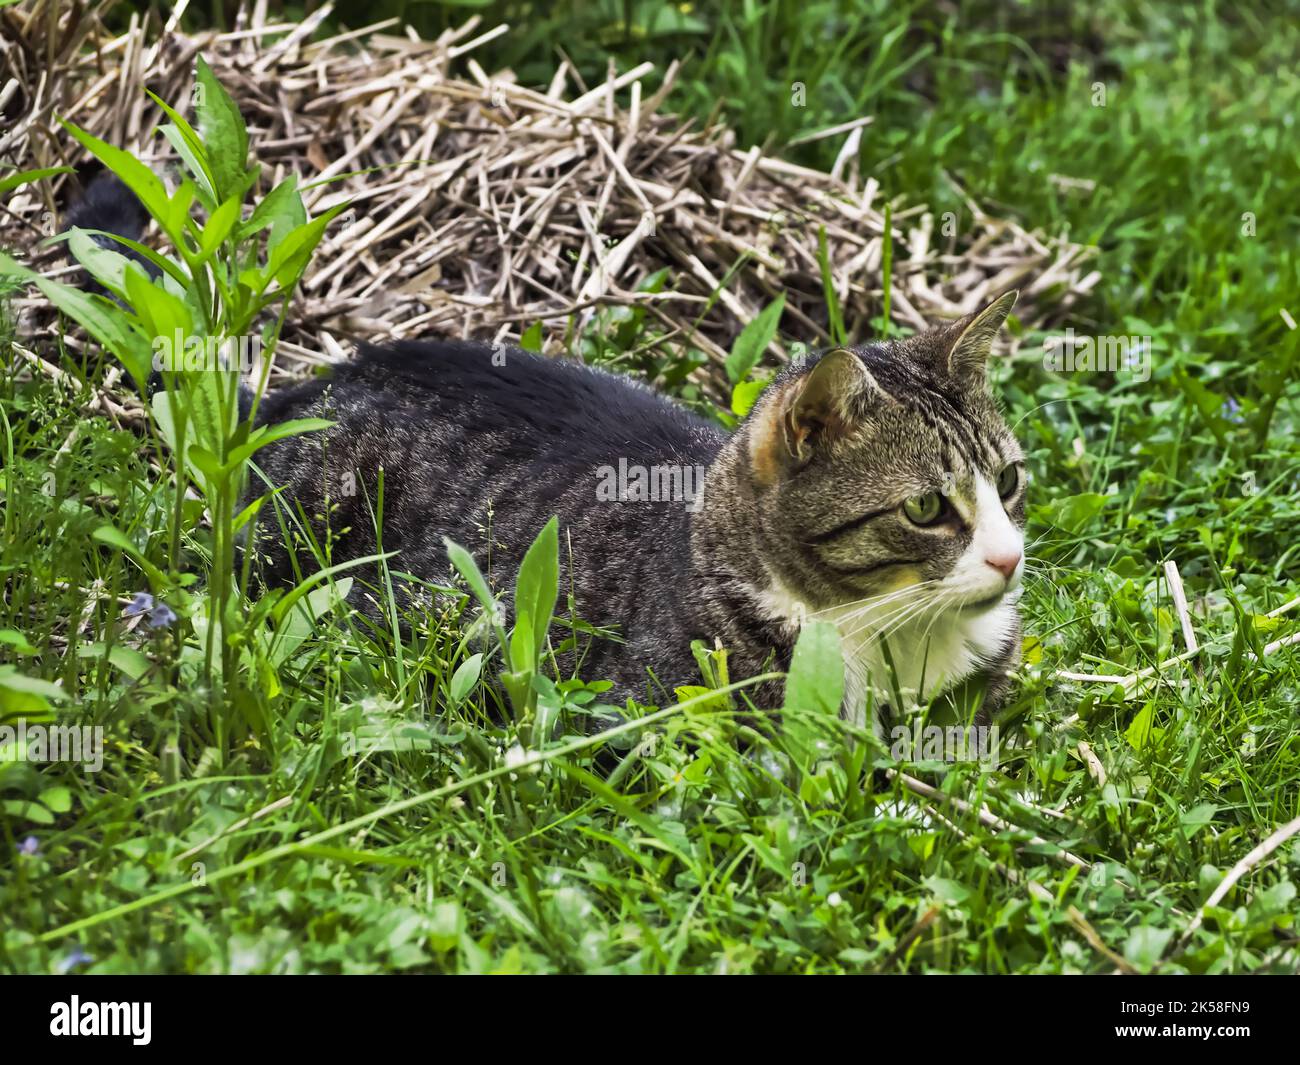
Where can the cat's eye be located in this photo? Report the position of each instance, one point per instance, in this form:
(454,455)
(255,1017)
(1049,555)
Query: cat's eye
(1008,480)
(924,510)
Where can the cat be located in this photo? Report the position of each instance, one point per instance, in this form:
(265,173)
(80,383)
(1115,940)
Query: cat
(876,487)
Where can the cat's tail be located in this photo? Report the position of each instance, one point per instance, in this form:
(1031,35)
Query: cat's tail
(110,207)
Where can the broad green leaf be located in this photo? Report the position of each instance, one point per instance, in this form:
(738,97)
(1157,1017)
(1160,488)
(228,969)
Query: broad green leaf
(285,605)
(1073,513)
(466,676)
(12,680)
(166,319)
(281,209)
(223,132)
(816,677)
(745,395)
(753,340)
(219,225)
(195,160)
(134,175)
(130,661)
(17,641)
(532,338)
(106,266)
(537,587)
(1146,945)
(58,799)
(1140,729)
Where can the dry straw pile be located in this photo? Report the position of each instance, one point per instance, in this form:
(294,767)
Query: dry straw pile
(483,206)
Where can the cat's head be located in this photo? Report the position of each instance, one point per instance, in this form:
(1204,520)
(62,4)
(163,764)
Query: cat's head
(874,469)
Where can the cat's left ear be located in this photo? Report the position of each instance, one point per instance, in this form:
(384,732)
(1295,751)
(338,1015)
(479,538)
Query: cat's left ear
(811,413)
(973,336)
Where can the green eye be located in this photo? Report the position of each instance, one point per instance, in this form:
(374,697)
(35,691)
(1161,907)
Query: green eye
(1008,480)
(924,510)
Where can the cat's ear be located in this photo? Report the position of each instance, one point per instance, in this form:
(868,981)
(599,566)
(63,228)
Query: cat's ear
(971,338)
(813,411)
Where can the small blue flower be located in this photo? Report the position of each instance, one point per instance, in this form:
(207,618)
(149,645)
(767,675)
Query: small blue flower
(77,957)
(141,604)
(1232,410)
(160,616)
(29,846)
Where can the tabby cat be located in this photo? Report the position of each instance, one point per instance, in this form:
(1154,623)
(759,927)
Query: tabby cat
(875,487)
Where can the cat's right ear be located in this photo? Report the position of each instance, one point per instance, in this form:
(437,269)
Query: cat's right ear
(811,412)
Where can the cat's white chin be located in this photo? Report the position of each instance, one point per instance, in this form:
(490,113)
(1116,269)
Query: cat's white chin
(976,604)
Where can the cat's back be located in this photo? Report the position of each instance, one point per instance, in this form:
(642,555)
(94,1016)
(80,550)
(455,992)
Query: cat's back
(576,413)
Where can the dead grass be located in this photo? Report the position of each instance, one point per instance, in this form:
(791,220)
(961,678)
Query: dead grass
(480,206)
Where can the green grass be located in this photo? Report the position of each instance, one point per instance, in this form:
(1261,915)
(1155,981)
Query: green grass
(397,836)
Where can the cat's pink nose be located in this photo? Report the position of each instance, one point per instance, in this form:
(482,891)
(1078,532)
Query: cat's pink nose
(1005,564)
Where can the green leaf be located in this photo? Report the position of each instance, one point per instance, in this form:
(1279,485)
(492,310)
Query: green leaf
(106,322)
(816,677)
(130,661)
(746,393)
(446,922)
(532,338)
(946,890)
(24,177)
(190,147)
(221,222)
(465,565)
(12,680)
(1146,945)
(466,676)
(106,266)
(113,537)
(1208,404)
(281,209)
(16,640)
(58,799)
(27,811)
(269,434)
(833,313)
(284,606)
(135,176)
(225,137)
(753,341)
(165,317)
(290,257)
(536,589)
(1073,513)
(165,264)
(1197,817)
(1140,729)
